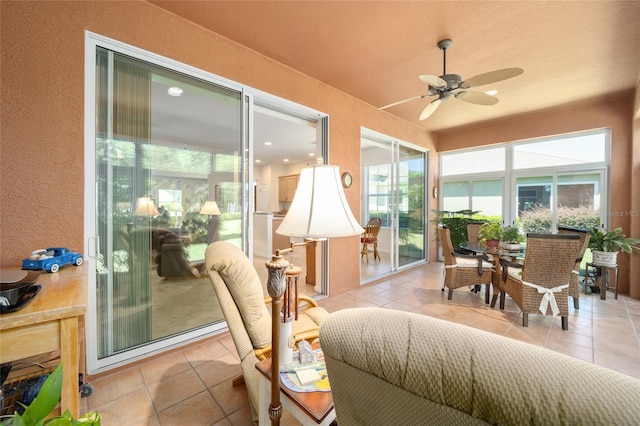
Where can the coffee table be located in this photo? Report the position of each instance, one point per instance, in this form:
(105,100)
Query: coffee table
(309,408)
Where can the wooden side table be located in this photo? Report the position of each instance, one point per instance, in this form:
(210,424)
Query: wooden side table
(605,273)
(50,322)
(309,408)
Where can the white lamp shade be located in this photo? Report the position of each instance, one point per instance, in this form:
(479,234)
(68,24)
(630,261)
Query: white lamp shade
(145,207)
(319,208)
(210,208)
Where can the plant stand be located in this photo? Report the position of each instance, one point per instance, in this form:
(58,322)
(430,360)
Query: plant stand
(604,272)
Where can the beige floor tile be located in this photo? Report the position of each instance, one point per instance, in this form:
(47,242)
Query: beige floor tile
(199,410)
(174,389)
(231,398)
(217,371)
(117,385)
(132,408)
(165,366)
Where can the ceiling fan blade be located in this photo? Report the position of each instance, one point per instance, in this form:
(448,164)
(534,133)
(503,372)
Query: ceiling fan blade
(478,98)
(403,101)
(433,81)
(491,77)
(430,109)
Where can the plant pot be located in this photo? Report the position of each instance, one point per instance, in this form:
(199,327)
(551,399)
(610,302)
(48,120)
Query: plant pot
(511,246)
(493,244)
(604,258)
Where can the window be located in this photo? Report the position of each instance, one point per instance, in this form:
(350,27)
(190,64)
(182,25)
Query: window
(550,182)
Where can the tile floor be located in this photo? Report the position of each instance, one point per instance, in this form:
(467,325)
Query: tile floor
(192,386)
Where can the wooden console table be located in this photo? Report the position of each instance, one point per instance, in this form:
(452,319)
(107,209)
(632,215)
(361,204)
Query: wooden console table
(50,322)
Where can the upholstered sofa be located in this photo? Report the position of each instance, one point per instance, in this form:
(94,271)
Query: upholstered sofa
(389,367)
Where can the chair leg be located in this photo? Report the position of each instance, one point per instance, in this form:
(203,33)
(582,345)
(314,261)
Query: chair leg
(364,252)
(502,297)
(376,255)
(486,293)
(494,299)
(450,294)
(576,303)
(525,320)
(565,322)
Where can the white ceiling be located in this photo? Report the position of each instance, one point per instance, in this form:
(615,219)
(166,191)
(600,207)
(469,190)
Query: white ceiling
(571,51)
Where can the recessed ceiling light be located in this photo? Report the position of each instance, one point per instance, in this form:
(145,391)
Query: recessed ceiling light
(286,160)
(312,154)
(175,91)
(268,143)
(491,92)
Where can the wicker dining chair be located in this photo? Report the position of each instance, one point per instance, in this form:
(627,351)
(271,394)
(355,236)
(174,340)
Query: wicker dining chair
(574,286)
(472,231)
(541,284)
(370,238)
(462,270)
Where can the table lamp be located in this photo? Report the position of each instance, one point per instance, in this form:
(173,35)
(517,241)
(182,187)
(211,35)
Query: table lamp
(145,207)
(319,210)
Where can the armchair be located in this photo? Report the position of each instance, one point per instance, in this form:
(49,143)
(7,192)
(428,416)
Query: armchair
(241,297)
(461,270)
(541,284)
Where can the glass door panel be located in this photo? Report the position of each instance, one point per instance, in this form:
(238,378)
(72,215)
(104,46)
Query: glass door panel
(166,143)
(377,202)
(393,188)
(411,205)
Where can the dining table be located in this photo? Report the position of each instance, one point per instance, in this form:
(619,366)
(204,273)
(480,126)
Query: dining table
(515,256)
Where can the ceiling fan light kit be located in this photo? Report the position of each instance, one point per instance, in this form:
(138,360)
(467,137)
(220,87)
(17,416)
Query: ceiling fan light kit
(452,84)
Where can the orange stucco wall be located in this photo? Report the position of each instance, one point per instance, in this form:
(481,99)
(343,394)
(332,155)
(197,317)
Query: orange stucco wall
(615,113)
(634,272)
(42,143)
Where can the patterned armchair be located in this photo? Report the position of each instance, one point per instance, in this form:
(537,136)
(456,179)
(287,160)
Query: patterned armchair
(239,291)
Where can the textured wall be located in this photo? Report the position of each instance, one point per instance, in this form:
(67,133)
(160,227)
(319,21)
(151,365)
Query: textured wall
(42,145)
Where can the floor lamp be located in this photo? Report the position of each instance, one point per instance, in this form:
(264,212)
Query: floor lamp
(319,210)
(211,209)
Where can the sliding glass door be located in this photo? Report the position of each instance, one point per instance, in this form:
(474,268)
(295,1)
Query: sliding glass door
(170,150)
(393,188)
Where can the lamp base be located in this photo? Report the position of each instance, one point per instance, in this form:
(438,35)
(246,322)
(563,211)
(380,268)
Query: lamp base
(286,343)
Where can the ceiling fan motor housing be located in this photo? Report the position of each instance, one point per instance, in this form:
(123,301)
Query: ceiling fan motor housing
(453,81)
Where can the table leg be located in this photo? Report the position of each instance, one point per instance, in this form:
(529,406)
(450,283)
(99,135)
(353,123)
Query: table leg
(604,283)
(70,398)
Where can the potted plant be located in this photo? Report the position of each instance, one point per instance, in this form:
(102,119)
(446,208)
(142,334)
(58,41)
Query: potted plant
(37,413)
(512,237)
(605,245)
(490,234)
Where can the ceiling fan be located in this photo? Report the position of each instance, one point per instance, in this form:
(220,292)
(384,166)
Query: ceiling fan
(447,85)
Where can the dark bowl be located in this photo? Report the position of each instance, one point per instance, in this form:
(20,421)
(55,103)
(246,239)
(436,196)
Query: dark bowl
(14,291)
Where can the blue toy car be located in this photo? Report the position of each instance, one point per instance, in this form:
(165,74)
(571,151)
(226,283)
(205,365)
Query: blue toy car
(51,259)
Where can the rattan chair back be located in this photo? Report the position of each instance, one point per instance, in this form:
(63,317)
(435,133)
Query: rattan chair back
(549,258)
(472,231)
(444,235)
